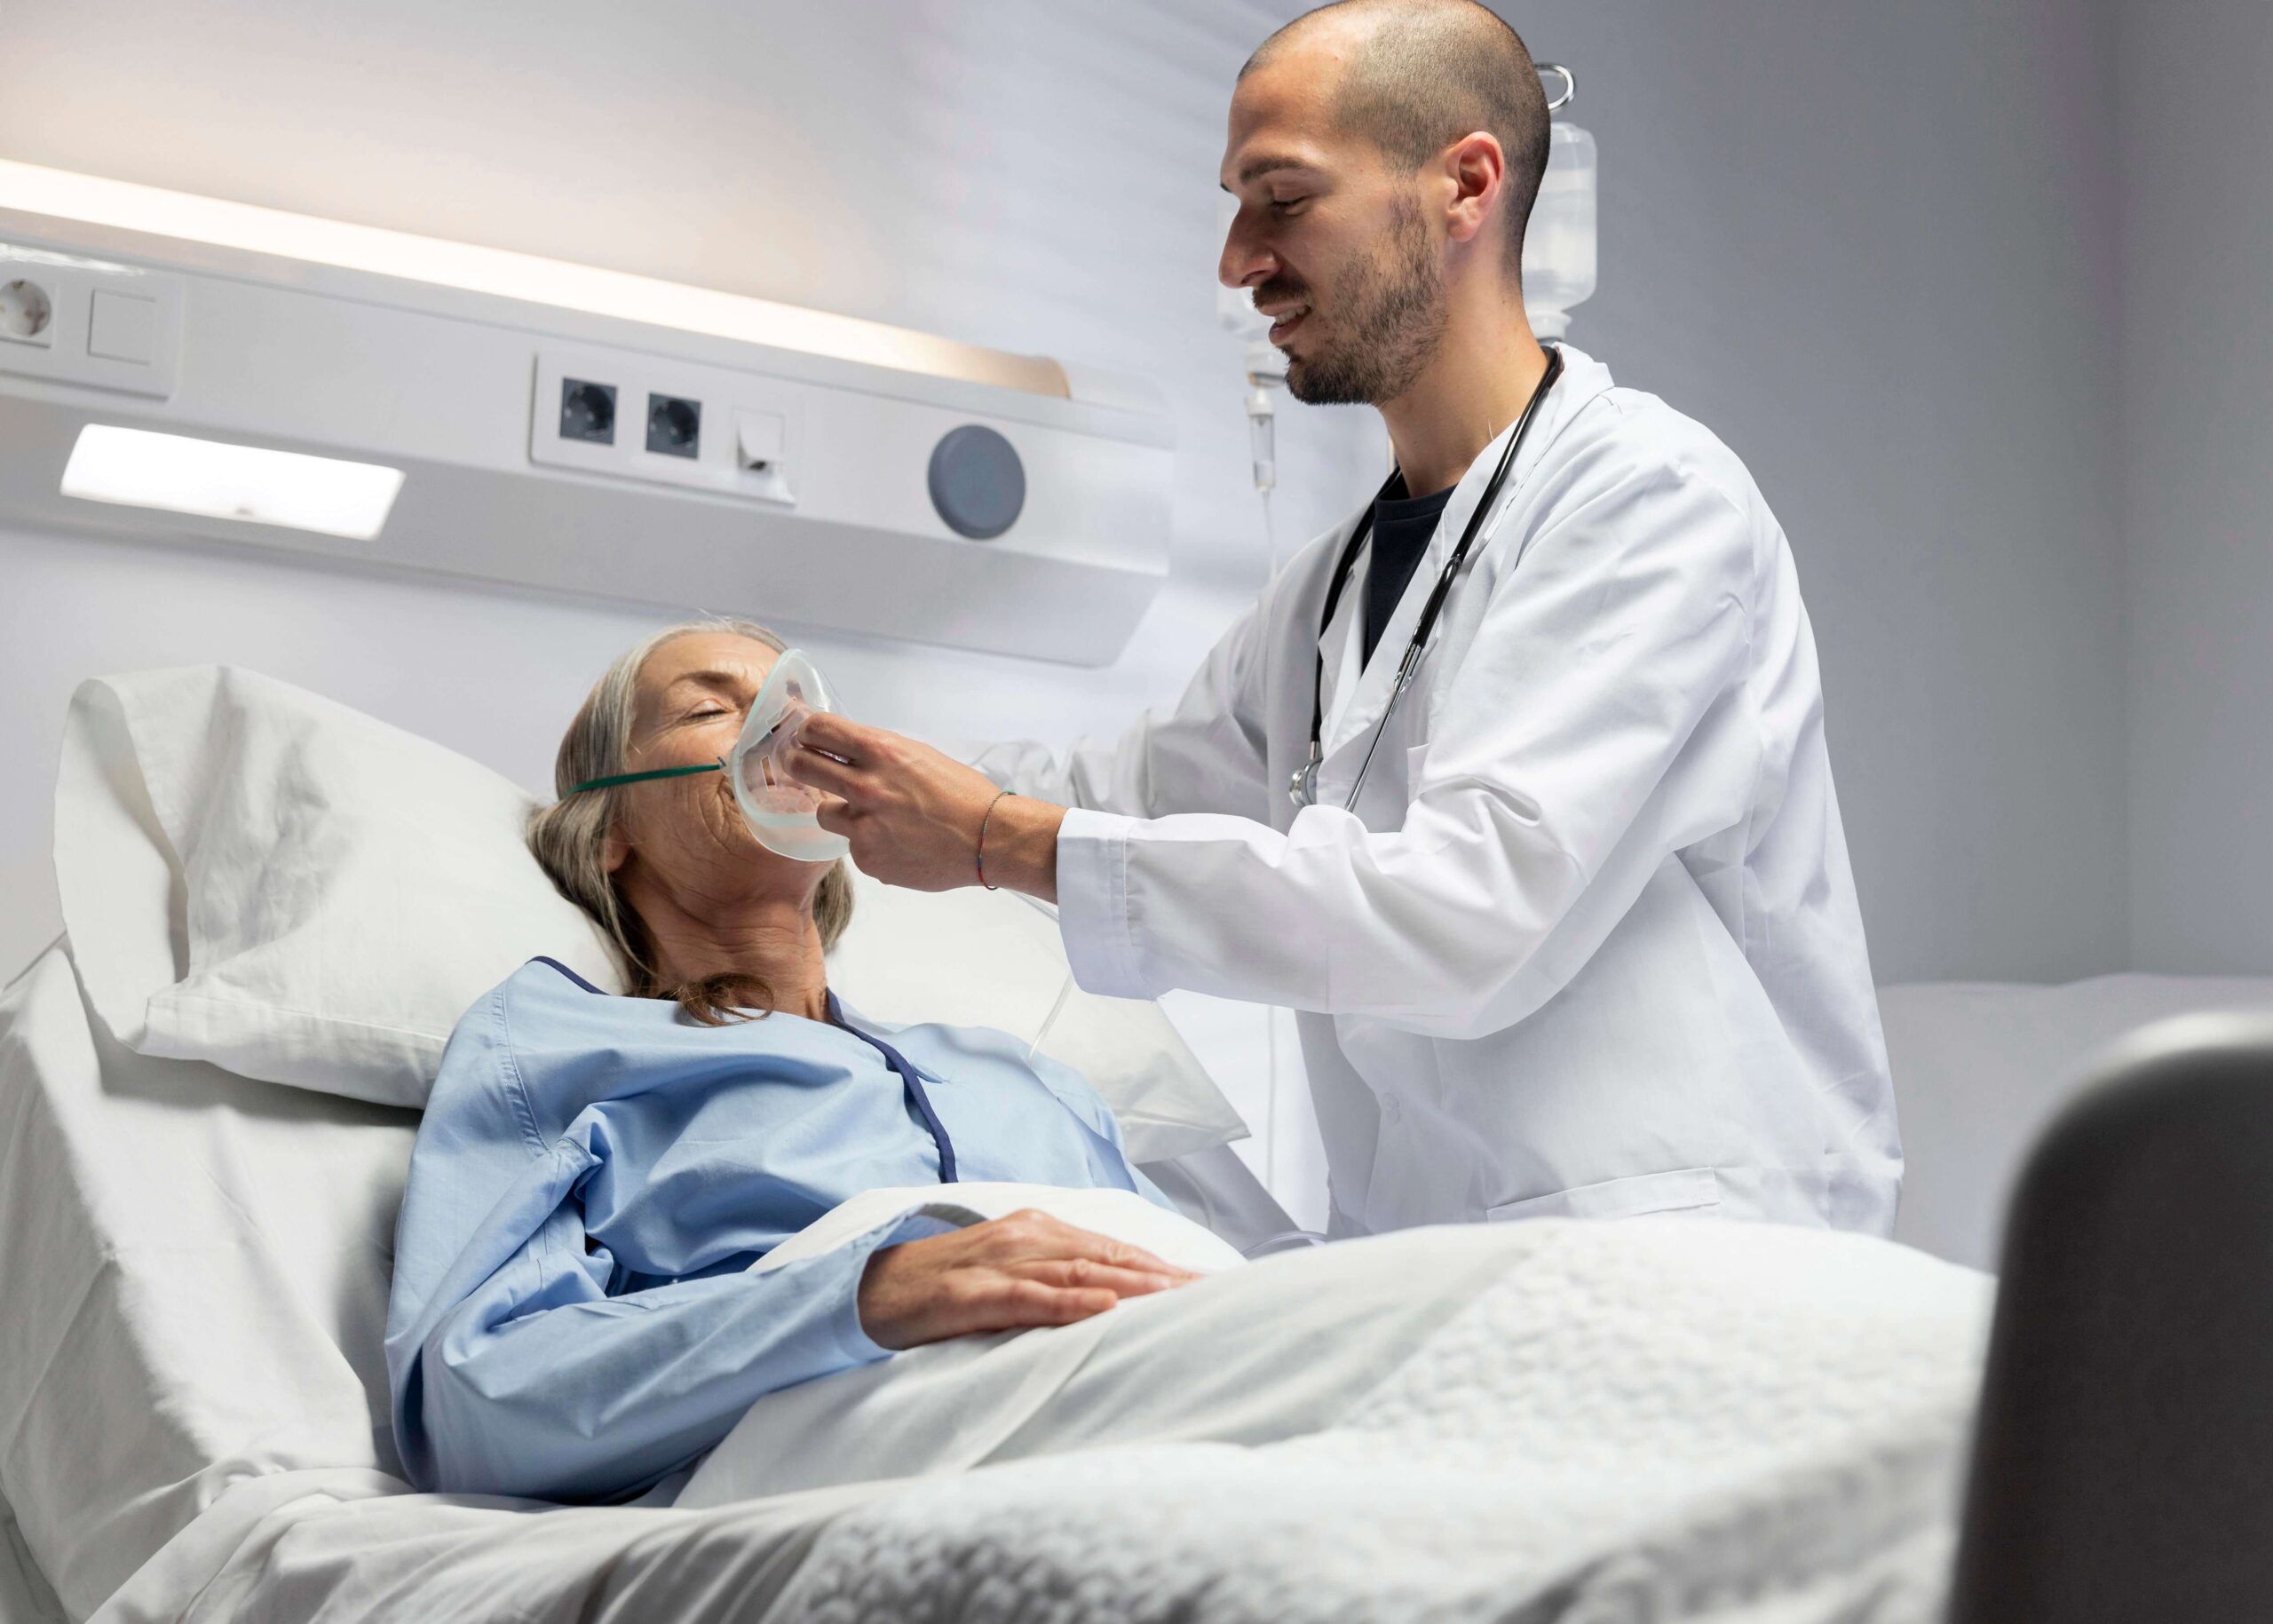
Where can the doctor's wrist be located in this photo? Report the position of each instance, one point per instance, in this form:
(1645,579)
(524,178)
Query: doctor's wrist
(1022,846)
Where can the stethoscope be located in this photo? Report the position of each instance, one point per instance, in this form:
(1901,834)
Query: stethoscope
(1303,788)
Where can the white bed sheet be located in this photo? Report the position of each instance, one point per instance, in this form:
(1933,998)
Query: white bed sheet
(196,1268)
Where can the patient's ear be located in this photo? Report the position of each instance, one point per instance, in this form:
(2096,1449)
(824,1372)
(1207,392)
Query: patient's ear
(616,849)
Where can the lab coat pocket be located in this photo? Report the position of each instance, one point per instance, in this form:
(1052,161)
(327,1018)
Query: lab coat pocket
(1681,1190)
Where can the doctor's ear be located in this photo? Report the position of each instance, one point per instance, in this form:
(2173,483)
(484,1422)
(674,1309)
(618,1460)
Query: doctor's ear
(1477,169)
(614,848)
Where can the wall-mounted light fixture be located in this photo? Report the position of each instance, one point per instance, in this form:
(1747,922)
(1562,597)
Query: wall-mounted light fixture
(124,206)
(213,480)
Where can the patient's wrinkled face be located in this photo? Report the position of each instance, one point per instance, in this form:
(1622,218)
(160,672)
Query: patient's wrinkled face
(687,833)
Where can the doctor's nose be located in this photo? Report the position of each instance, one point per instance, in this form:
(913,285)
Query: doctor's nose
(1244,263)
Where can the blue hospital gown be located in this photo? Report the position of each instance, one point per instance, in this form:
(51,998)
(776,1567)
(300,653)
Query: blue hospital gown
(572,1317)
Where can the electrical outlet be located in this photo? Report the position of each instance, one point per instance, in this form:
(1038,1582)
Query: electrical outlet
(27,312)
(587,411)
(70,320)
(644,417)
(675,426)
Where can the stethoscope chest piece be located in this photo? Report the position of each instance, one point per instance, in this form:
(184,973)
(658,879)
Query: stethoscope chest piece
(1302,789)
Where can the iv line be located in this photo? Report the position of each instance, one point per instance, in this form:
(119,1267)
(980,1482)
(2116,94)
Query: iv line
(1064,991)
(1265,479)
(1050,1020)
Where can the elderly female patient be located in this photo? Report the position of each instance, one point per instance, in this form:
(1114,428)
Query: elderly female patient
(574,1313)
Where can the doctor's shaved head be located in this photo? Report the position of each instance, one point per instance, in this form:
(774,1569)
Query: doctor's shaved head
(1418,74)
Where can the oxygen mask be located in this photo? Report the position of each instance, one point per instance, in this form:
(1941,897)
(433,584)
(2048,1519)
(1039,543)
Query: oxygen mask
(781,811)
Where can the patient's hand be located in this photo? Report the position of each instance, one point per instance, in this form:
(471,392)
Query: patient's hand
(1028,1268)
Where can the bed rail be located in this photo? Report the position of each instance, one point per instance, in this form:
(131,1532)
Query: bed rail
(2123,1460)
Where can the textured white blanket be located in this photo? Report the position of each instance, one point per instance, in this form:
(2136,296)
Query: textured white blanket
(1660,1419)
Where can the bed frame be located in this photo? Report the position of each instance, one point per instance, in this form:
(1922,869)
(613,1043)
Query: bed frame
(2123,1460)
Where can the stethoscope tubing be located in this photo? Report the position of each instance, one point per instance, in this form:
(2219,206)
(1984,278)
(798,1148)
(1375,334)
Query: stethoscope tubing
(1305,788)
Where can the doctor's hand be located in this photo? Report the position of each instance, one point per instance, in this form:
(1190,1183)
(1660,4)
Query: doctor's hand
(913,814)
(1007,1274)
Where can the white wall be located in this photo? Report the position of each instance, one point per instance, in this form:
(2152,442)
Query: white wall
(2197,477)
(1871,246)
(1873,250)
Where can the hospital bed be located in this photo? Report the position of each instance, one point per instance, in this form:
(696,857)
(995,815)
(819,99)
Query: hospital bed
(1654,1419)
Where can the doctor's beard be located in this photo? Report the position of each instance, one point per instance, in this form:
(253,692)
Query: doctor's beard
(1388,317)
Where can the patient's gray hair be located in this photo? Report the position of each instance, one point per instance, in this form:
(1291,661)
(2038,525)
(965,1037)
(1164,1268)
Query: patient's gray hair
(569,837)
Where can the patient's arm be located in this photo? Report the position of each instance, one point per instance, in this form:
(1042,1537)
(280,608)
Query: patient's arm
(1027,1269)
(537,1382)
(530,1354)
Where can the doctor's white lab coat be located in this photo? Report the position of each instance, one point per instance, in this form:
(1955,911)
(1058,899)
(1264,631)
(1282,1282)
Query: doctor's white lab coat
(1588,943)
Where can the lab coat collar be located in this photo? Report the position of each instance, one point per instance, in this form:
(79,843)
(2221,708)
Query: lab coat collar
(1340,644)
(1367,689)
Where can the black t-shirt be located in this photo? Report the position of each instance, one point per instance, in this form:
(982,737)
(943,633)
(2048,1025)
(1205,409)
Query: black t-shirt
(1402,526)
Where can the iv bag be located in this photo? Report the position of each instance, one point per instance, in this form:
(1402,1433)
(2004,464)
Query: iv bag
(1559,241)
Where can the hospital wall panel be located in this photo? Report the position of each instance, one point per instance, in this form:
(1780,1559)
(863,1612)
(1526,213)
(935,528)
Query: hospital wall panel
(2198,480)
(1871,246)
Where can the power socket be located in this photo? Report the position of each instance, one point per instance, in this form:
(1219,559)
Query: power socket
(645,417)
(70,320)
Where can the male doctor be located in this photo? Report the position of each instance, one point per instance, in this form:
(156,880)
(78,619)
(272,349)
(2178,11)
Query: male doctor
(1567,914)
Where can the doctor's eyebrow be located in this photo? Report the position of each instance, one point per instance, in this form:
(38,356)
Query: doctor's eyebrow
(1256,168)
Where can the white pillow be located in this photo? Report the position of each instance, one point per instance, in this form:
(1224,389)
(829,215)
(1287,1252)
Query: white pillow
(337,891)
(261,878)
(979,958)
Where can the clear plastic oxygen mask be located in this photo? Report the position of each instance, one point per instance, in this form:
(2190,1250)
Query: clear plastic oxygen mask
(782,814)
(781,811)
